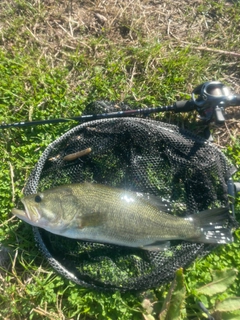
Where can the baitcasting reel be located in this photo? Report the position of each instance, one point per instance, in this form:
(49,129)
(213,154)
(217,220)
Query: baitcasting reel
(213,98)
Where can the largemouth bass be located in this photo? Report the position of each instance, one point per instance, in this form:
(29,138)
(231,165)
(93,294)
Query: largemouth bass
(99,213)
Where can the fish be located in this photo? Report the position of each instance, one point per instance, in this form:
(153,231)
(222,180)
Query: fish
(99,213)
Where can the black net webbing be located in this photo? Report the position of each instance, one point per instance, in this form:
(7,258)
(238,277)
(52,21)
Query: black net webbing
(139,155)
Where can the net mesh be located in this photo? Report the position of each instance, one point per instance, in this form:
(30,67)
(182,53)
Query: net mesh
(139,155)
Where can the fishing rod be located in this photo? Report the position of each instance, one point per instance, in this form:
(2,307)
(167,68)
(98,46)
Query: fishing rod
(209,99)
(180,106)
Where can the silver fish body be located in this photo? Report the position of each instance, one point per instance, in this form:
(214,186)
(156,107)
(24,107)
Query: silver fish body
(104,214)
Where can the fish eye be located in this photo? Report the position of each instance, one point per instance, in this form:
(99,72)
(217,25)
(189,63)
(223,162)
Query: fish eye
(38,198)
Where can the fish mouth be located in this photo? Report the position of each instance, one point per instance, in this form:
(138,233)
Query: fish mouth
(25,214)
(20,213)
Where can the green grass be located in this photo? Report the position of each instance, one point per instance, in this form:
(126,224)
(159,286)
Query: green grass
(53,62)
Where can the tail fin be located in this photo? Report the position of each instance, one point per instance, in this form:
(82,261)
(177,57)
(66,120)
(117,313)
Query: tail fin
(211,223)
